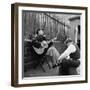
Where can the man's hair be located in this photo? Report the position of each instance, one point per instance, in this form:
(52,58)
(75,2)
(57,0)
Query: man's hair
(68,40)
(38,30)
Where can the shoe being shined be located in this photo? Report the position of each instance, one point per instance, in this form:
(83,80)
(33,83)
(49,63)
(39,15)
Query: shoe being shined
(56,65)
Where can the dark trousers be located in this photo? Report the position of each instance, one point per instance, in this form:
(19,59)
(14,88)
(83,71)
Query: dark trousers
(68,67)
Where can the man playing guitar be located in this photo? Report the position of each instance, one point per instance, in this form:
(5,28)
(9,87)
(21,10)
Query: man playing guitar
(40,46)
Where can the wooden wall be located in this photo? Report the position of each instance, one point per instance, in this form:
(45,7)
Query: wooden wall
(47,21)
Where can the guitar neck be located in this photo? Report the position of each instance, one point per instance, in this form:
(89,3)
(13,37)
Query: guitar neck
(52,40)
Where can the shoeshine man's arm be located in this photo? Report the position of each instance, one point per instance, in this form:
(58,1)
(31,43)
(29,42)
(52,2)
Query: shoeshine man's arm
(71,48)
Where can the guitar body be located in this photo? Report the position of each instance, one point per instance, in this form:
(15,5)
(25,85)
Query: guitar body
(41,49)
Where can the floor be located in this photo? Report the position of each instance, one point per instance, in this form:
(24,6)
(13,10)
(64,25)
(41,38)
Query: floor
(39,72)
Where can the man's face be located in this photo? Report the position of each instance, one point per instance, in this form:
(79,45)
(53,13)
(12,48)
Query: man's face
(40,32)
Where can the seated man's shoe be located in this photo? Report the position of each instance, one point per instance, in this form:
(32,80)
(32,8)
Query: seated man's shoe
(56,65)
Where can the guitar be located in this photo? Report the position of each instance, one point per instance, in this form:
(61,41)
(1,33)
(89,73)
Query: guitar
(44,45)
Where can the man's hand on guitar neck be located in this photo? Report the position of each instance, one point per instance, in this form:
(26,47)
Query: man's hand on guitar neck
(54,39)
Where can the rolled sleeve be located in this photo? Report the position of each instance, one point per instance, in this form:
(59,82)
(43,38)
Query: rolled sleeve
(71,48)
